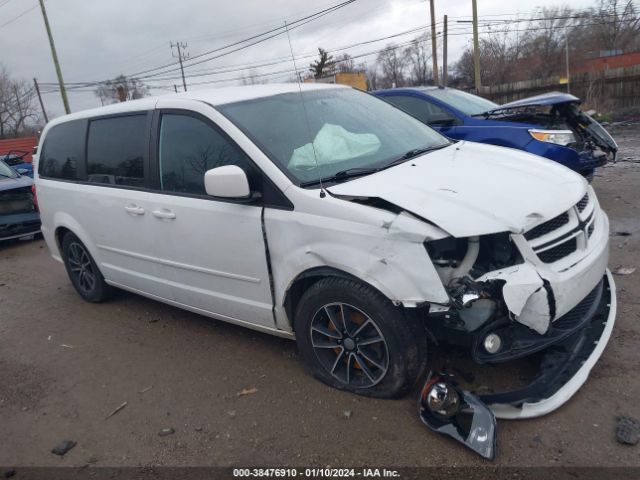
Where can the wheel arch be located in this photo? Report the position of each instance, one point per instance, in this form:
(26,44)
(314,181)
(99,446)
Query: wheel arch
(305,279)
(64,224)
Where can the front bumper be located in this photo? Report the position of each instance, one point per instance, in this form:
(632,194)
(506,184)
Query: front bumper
(19,225)
(564,367)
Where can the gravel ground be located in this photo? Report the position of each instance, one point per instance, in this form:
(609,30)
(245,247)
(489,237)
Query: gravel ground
(66,364)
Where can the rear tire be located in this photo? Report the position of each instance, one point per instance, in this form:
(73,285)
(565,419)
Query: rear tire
(379,352)
(83,271)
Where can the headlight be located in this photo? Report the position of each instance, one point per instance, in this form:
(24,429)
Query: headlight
(559,137)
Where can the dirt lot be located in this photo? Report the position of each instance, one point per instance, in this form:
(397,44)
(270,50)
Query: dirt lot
(66,364)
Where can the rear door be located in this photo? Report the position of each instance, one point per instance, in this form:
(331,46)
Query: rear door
(113,205)
(213,249)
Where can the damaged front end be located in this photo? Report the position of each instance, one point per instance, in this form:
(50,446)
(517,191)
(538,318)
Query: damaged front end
(545,290)
(561,122)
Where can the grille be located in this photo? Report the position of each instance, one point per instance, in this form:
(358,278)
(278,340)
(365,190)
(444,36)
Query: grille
(556,253)
(548,226)
(577,314)
(582,204)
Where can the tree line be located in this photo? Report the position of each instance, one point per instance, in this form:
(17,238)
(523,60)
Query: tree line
(520,50)
(510,50)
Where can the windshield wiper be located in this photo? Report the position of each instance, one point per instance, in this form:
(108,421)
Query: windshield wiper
(343,175)
(360,171)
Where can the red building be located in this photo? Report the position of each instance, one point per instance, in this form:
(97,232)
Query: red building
(599,64)
(19,146)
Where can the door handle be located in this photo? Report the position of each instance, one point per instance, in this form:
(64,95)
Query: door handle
(134,210)
(164,214)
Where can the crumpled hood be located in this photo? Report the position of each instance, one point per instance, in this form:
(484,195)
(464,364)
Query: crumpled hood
(474,189)
(18,182)
(551,98)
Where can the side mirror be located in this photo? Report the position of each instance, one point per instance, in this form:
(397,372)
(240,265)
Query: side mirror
(22,171)
(228,181)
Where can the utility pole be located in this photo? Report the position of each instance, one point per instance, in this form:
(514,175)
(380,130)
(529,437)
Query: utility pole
(63,91)
(566,54)
(445,67)
(44,112)
(434,48)
(181,56)
(476,47)
(175,88)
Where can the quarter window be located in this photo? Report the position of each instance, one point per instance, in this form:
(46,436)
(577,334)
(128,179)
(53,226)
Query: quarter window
(188,148)
(62,151)
(116,150)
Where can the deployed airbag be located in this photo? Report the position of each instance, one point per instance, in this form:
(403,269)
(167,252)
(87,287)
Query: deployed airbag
(334,144)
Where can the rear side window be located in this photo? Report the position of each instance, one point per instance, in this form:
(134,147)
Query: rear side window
(188,148)
(62,151)
(116,150)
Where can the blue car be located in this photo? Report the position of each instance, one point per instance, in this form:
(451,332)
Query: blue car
(550,125)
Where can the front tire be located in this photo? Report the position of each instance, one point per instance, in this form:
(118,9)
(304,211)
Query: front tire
(353,338)
(83,271)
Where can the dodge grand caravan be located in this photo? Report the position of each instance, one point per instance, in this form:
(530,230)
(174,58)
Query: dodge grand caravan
(324,214)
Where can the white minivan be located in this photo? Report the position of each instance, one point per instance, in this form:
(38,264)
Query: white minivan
(321,213)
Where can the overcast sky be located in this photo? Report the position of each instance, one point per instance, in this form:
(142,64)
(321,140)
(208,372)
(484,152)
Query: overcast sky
(100,39)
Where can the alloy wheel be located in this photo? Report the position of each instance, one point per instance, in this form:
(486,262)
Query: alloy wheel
(81,267)
(349,345)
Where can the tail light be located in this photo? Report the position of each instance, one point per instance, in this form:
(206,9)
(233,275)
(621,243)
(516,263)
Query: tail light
(35,196)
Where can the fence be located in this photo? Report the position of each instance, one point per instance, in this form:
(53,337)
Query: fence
(604,91)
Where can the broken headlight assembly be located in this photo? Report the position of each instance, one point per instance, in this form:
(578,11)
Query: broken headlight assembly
(445,408)
(557,137)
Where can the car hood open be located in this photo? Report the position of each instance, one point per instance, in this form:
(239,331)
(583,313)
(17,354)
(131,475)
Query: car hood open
(551,98)
(473,189)
(569,107)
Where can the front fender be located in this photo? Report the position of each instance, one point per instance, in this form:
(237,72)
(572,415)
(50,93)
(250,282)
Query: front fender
(389,256)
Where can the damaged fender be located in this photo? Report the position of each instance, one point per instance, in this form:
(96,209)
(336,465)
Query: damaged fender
(384,249)
(525,295)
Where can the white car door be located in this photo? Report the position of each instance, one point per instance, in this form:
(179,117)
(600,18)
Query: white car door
(213,249)
(113,206)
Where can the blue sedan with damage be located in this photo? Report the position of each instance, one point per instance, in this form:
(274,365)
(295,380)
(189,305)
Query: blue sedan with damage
(550,125)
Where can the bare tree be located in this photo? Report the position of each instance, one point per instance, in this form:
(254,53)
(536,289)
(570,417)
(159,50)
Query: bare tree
(417,56)
(392,63)
(121,89)
(543,44)
(345,63)
(615,24)
(17,105)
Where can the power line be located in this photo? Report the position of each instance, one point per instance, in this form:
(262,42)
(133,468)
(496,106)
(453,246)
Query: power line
(278,30)
(19,16)
(160,76)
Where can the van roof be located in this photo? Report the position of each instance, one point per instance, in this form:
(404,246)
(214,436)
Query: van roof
(213,96)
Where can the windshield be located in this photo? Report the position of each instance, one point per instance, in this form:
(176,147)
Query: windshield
(6,171)
(346,129)
(465,102)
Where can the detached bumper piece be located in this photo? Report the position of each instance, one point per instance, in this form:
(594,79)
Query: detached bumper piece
(564,367)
